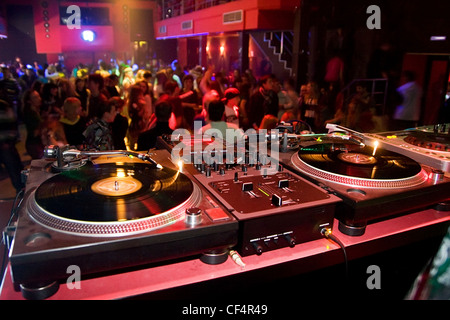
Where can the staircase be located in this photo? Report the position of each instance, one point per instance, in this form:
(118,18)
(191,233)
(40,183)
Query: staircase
(277,46)
(281,44)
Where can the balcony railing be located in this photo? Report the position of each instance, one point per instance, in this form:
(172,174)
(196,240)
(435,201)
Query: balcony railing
(175,8)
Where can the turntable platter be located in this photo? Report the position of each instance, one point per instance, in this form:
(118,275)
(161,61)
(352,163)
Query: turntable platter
(113,199)
(353,164)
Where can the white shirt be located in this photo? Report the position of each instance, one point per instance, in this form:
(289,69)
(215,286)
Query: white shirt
(221,128)
(409,109)
(231,115)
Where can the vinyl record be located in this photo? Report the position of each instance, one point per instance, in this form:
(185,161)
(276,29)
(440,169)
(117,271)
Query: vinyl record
(113,192)
(354,160)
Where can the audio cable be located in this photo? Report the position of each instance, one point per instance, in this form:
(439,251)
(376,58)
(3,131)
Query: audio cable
(326,232)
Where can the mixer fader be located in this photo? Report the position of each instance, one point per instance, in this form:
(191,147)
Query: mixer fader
(275,207)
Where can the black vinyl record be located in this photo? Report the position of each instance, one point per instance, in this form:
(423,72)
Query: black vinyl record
(113,192)
(359,161)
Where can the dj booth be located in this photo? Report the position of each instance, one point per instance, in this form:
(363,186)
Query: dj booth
(119,224)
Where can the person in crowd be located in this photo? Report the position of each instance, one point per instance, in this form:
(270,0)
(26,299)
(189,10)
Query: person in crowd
(231,100)
(148,99)
(147,139)
(216,111)
(97,99)
(262,101)
(119,126)
(9,133)
(66,89)
(127,81)
(136,111)
(205,82)
(335,70)
(324,111)
(98,134)
(407,113)
(83,94)
(291,106)
(172,76)
(171,95)
(73,123)
(27,79)
(188,95)
(33,122)
(12,89)
(311,104)
(147,77)
(202,117)
(112,85)
(52,132)
(243,85)
(51,104)
(160,82)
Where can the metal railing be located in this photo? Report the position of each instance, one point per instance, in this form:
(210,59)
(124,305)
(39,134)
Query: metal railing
(377,89)
(175,8)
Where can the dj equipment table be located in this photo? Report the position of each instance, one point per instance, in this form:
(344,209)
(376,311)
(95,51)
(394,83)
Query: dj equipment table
(304,257)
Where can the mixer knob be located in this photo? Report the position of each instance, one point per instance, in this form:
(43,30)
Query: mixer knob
(258,247)
(258,166)
(222,171)
(290,240)
(208,172)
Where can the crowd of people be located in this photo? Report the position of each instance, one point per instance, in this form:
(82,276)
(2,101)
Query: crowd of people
(127,108)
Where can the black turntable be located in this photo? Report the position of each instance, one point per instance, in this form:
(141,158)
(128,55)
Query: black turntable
(374,183)
(112,212)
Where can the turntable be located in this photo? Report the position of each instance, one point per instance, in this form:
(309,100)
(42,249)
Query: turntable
(373,182)
(106,211)
(429,145)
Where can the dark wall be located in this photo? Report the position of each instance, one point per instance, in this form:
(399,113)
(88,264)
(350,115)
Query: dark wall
(406,26)
(20,41)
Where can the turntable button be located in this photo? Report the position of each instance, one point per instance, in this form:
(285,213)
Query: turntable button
(193,216)
(436,176)
(216,214)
